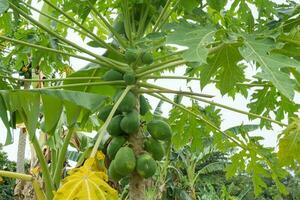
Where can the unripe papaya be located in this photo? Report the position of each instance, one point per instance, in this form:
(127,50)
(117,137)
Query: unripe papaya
(128,103)
(155,148)
(146,165)
(104,112)
(130,122)
(147,58)
(125,160)
(112,173)
(112,75)
(129,78)
(159,130)
(144,105)
(114,127)
(115,144)
(131,55)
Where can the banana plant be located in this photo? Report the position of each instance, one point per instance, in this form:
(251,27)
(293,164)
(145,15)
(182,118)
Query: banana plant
(132,44)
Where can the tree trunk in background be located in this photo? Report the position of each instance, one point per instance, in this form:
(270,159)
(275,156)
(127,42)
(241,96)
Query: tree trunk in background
(21,151)
(137,183)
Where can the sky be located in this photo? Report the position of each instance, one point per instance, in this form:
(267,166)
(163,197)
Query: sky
(229,118)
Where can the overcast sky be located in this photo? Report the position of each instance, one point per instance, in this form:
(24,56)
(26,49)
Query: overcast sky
(230,119)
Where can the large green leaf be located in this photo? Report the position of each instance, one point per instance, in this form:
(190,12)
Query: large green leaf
(4,118)
(29,102)
(52,108)
(85,100)
(195,37)
(289,145)
(225,63)
(271,64)
(3,6)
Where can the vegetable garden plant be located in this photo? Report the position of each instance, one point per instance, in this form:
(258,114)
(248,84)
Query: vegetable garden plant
(216,42)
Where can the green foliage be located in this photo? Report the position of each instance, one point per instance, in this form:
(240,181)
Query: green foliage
(7,185)
(195,37)
(222,40)
(289,145)
(260,51)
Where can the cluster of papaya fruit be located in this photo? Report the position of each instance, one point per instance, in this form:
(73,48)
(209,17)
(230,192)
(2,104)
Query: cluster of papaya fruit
(127,121)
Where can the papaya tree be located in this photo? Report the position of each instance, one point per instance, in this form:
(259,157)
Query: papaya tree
(103,111)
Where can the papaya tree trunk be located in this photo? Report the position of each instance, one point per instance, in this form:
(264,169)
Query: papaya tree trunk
(136,182)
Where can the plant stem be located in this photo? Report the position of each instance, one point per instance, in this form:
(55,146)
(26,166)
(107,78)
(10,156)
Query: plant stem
(108,61)
(40,195)
(160,68)
(142,23)
(198,79)
(83,84)
(102,130)
(60,52)
(44,167)
(110,28)
(62,156)
(52,80)
(15,175)
(127,20)
(166,17)
(238,111)
(163,12)
(174,92)
(155,65)
(95,37)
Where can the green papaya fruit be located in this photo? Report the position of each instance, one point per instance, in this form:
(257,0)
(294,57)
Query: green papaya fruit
(155,148)
(125,160)
(146,165)
(112,173)
(147,58)
(130,122)
(159,130)
(128,103)
(114,127)
(112,75)
(129,78)
(131,55)
(104,112)
(115,144)
(144,105)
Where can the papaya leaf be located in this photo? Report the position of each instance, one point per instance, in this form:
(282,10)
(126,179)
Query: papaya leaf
(270,63)
(4,5)
(4,118)
(224,63)
(85,100)
(52,109)
(289,145)
(195,37)
(86,183)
